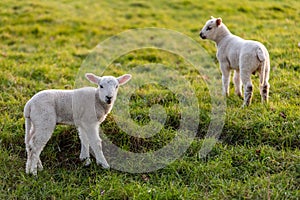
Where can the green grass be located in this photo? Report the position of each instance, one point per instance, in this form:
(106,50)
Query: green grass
(43,44)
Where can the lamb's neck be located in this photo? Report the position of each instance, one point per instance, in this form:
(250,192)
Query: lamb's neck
(223,32)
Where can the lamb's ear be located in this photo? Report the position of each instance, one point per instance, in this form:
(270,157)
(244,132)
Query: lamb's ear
(219,21)
(92,78)
(124,79)
(212,17)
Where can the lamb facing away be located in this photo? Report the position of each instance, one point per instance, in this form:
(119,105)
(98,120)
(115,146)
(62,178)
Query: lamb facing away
(85,108)
(245,57)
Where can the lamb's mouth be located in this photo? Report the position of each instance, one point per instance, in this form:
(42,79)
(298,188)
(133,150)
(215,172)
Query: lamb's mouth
(202,36)
(108,99)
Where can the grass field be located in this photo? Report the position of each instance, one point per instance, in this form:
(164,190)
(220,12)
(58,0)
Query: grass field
(44,43)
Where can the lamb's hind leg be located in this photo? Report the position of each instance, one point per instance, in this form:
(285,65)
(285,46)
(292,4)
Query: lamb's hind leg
(237,83)
(248,87)
(264,85)
(264,92)
(36,144)
(28,134)
(92,132)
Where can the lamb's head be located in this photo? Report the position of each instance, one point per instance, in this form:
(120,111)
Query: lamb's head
(108,86)
(211,29)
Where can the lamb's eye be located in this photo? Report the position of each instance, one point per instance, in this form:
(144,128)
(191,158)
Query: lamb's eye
(117,86)
(101,86)
(208,28)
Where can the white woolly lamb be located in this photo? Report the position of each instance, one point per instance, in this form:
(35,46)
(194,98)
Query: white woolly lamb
(244,56)
(85,108)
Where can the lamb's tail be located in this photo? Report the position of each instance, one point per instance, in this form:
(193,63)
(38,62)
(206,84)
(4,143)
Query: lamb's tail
(27,124)
(263,58)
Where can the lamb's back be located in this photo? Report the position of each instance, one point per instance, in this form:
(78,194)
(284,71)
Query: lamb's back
(56,101)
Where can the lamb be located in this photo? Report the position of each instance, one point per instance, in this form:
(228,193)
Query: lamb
(245,57)
(86,108)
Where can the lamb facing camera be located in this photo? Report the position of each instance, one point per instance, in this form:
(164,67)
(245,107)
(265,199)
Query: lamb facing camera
(245,57)
(86,108)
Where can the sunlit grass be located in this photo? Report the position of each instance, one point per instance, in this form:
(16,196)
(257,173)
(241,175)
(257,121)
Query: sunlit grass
(43,44)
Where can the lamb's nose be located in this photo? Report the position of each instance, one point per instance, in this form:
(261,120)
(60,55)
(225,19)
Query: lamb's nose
(202,36)
(108,99)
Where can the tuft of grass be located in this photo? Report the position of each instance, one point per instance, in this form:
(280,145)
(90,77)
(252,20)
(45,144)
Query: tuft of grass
(44,43)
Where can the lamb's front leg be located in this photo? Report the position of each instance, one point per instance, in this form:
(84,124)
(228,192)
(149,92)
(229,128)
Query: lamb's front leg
(225,79)
(84,153)
(92,131)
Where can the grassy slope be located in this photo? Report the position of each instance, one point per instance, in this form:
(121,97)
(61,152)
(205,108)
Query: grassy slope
(43,45)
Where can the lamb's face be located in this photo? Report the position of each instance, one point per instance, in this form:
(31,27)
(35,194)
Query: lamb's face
(108,86)
(108,89)
(209,31)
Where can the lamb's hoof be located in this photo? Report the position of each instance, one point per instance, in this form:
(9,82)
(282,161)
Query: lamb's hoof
(240,95)
(245,105)
(40,167)
(33,172)
(104,165)
(225,94)
(87,162)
